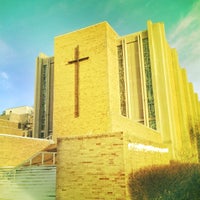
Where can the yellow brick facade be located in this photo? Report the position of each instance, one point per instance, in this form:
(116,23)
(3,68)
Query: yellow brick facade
(8,127)
(94,81)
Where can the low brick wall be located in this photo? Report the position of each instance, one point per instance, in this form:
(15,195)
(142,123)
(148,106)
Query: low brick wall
(8,127)
(91,167)
(15,149)
(141,153)
(98,166)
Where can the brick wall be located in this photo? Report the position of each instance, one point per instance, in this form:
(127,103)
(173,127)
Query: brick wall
(98,166)
(91,167)
(14,149)
(140,153)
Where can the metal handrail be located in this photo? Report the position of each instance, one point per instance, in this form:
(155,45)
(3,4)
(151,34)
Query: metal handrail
(42,158)
(13,170)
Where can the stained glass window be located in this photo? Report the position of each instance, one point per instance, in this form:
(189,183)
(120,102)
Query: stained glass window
(43,96)
(149,87)
(122,82)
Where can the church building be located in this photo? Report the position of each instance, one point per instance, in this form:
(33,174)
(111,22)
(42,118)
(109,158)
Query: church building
(114,104)
(103,81)
(105,107)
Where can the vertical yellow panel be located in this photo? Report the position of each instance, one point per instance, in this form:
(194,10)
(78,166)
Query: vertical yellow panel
(186,113)
(197,123)
(134,82)
(113,75)
(175,104)
(126,78)
(160,78)
(191,115)
(193,128)
(197,109)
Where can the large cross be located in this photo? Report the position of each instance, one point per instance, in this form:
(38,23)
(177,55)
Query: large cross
(76,79)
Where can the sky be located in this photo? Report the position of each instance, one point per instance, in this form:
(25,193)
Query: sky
(29,27)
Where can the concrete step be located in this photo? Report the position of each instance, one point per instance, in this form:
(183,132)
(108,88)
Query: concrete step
(30,183)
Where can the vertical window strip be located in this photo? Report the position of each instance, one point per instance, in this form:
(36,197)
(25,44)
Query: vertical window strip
(43,96)
(143,80)
(122,81)
(149,87)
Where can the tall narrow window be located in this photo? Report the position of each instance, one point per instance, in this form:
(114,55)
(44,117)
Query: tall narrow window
(43,96)
(122,82)
(149,87)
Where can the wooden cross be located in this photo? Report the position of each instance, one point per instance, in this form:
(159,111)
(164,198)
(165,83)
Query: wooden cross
(76,79)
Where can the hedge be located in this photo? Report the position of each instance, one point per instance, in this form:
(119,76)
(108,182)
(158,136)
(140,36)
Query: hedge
(166,182)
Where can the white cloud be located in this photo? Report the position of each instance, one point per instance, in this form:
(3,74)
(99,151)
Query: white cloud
(185,37)
(4,75)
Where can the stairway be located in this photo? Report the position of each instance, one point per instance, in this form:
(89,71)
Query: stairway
(34,179)
(28,183)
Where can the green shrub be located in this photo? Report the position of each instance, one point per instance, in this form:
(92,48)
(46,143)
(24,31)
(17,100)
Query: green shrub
(166,182)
